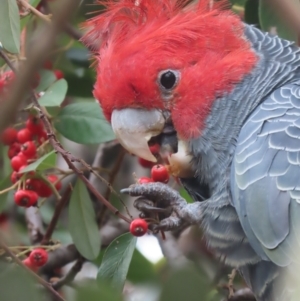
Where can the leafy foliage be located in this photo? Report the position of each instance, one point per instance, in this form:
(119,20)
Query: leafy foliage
(116,261)
(82,222)
(10,26)
(83,123)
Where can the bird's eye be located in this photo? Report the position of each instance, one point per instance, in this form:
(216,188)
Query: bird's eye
(168,79)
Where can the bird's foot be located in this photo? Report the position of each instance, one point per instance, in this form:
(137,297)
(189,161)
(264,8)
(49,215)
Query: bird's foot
(159,201)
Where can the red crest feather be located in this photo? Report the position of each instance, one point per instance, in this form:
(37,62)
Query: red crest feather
(139,38)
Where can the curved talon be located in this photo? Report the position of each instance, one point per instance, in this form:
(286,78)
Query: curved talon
(152,191)
(143,204)
(143,215)
(169,223)
(125,190)
(148,208)
(159,202)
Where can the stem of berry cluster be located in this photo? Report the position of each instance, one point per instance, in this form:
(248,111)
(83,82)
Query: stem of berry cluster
(33,10)
(58,209)
(69,158)
(33,274)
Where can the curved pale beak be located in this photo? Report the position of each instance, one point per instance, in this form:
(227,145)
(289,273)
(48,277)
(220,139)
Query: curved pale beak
(135,127)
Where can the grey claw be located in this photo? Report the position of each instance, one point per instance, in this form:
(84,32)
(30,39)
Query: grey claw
(125,190)
(168,224)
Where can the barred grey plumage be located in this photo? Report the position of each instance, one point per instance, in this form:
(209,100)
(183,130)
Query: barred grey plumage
(251,163)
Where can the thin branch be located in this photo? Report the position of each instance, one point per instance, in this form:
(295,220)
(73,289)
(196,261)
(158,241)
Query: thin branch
(34,275)
(39,49)
(58,209)
(70,276)
(6,59)
(73,32)
(68,253)
(230,286)
(110,182)
(33,10)
(69,158)
(114,173)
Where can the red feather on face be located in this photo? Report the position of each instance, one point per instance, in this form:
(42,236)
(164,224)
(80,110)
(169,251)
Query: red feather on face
(140,38)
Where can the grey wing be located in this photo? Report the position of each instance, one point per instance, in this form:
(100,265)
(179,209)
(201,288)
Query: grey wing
(265,176)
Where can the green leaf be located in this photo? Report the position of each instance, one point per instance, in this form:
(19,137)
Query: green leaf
(116,261)
(136,274)
(187,279)
(43,163)
(93,291)
(34,3)
(251,12)
(55,94)
(14,281)
(270,20)
(82,222)
(47,79)
(10,26)
(83,123)
(186,195)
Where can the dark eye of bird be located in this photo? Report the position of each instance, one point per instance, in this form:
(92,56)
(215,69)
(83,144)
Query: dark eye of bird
(168,80)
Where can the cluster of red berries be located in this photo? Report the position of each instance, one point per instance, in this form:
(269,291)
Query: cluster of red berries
(23,150)
(159,173)
(37,258)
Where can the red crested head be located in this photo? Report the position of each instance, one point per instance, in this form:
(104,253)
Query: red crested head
(166,55)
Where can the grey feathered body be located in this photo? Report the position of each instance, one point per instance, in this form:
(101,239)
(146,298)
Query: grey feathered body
(249,156)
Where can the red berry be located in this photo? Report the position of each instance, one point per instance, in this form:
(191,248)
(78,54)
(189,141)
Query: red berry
(54,179)
(9,136)
(145,163)
(17,162)
(44,190)
(138,227)
(33,184)
(59,74)
(21,155)
(14,150)
(24,135)
(27,262)
(8,76)
(42,137)
(21,172)
(159,173)
(29,149)
(38,257)
(154,149)
(144,180)
(34,125)
(15,177)
(26,198)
